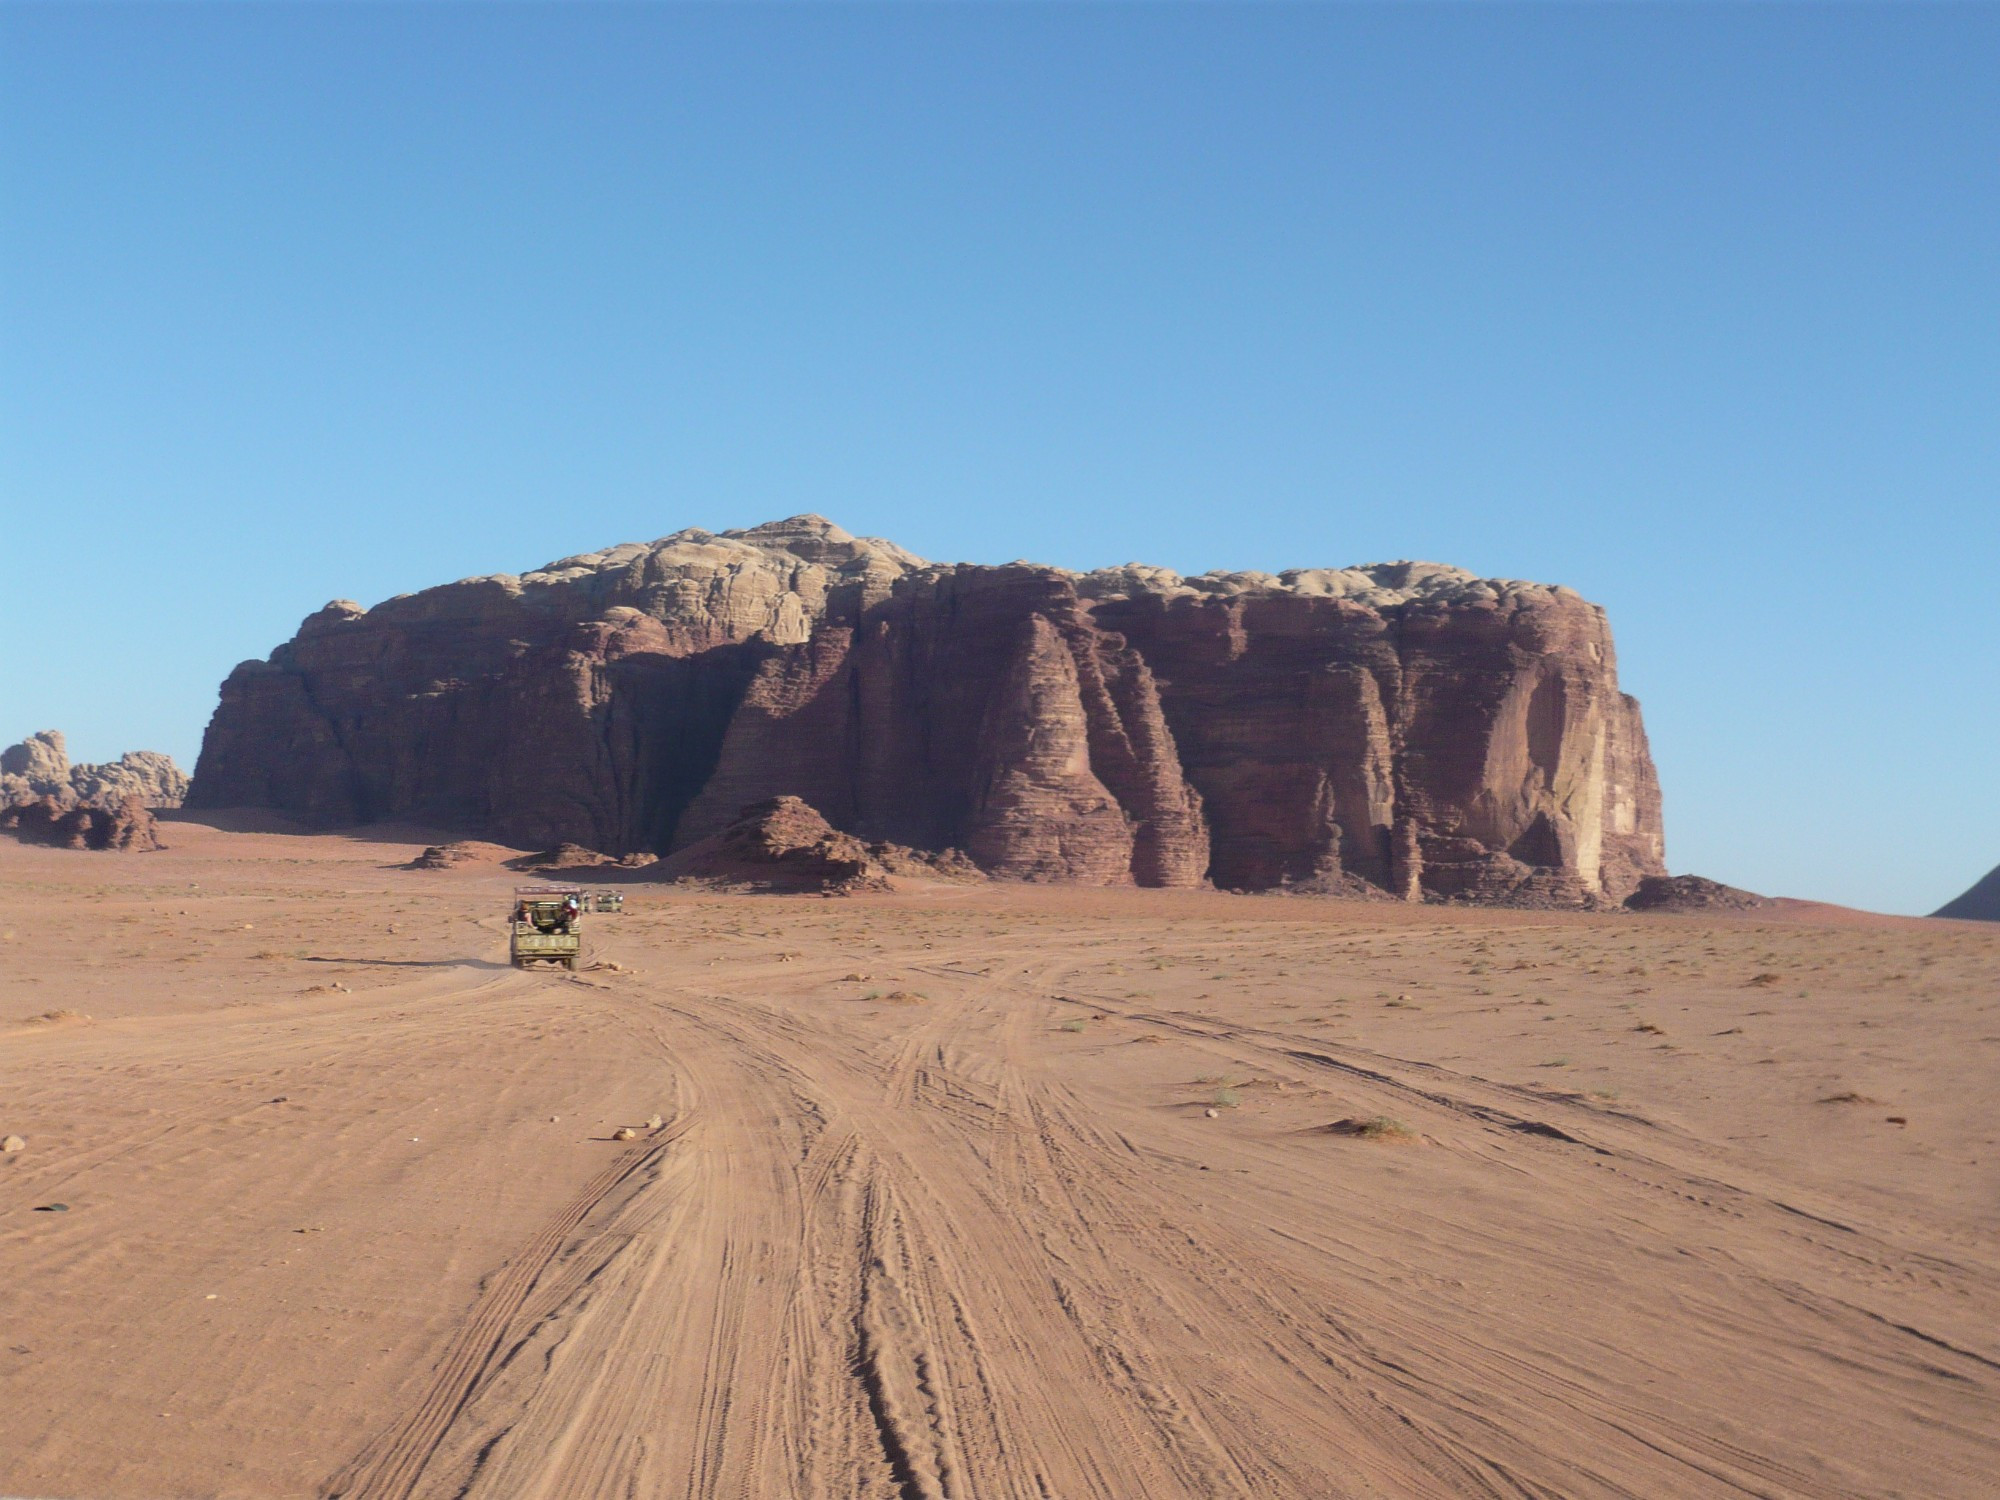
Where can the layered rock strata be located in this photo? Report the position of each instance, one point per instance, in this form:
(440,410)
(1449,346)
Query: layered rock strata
(1406,725)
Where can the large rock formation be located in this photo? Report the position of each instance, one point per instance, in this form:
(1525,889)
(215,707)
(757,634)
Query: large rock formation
(1980,904)
(40,767)
(1409,725)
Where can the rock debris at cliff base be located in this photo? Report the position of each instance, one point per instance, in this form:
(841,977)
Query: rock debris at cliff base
(1406,727)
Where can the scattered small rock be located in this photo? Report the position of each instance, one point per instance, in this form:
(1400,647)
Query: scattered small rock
(12,1144)
(654,1122)
(624,1133)
(1211,1114)
(52,1208)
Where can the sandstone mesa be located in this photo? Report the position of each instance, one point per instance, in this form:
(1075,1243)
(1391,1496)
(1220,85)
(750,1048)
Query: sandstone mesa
(1405,728)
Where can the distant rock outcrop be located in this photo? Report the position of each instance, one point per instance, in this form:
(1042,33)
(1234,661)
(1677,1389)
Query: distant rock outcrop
(576,857)
(1692,893)
(40,761)
(780,845)
(40,767)
(460,852)
(128,827)
(1407,726)
(1980,904)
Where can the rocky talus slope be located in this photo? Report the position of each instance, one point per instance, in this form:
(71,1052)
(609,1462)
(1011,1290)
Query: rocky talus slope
(1407,725)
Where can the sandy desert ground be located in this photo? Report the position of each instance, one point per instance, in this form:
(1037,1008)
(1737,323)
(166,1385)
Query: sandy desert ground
(979,1192)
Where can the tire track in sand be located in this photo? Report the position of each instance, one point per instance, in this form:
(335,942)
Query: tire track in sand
(394,1466)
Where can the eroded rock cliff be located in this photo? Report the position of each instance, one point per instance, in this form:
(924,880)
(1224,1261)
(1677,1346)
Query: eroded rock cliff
(1409,725)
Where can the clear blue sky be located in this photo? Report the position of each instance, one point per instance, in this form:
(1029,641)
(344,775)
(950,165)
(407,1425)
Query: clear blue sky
(1693,308)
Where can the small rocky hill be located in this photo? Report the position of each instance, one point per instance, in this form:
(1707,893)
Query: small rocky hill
(781,845)
(1692,893)
(1980,904)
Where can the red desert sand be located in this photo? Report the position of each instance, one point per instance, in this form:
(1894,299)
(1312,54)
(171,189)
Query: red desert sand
(978,1190)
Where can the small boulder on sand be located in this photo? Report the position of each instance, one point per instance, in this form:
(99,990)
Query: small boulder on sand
(12,1144)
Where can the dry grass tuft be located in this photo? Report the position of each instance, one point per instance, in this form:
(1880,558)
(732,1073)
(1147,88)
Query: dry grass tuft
(1373,1128)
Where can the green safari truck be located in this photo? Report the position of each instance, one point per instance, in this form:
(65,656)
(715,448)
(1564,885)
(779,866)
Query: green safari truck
(547,926)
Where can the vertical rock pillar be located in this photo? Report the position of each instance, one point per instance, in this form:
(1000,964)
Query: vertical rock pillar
(1406,862)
